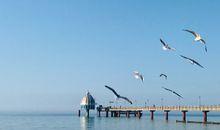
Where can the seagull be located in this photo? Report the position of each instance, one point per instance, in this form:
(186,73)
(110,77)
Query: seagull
(138,75)
(173,92)
(166,46)
(165,76)
(192,61)
(118,96)
(197,37)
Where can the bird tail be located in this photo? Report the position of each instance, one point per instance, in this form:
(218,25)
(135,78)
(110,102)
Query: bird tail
(206,48)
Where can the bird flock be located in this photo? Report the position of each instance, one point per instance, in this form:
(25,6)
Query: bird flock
(165,47)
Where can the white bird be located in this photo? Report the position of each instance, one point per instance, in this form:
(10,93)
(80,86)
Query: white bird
(197,36)
(166,46)
(138,75)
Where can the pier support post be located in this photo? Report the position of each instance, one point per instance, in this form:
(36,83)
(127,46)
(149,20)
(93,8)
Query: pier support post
(107,113)
(166,114)
(115,114)
(79,113)
(99,113)
(87,112)
(139,114)
(152,114)
(128,114)
(205,117)
(119,113)
(184,115)
(111,114)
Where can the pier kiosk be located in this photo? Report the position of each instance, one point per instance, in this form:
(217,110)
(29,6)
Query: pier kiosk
(88,103)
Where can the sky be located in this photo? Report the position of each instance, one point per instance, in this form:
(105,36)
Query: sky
(52,52)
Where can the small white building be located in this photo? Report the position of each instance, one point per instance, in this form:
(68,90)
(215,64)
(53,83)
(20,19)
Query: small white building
(88,103)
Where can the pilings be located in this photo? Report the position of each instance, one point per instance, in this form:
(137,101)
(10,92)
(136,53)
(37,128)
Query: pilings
(166,114)
(152,114)
(137,112)
(99,112)
(106,113)
(87,112)
(205,116)
(128,114)
(119,113)
(184,115)
(79,113)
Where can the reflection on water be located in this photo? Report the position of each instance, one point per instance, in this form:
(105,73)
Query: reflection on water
(87,123)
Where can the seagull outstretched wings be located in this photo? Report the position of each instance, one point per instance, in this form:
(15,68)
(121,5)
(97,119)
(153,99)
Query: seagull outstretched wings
(166,46)
(192,61)
(173,92)
(197,37)
(118,96)
(165,76)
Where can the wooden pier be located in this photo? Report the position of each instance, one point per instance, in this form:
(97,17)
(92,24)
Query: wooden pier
(137,111)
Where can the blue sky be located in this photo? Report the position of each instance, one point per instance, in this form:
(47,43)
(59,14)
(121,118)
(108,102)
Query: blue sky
(53,52)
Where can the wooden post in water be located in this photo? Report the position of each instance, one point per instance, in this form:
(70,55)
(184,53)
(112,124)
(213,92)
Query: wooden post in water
(166,115)
(128,114)
(184,116)
(79,113)
(106,113)
(111,113)
(99,113)
(115,114)
(205,117)
(139,114)
(87,112)
(152,114)
(119,113)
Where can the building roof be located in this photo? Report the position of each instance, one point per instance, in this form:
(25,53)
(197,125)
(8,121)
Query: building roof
(87,100)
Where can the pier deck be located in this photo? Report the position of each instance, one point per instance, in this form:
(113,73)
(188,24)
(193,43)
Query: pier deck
(137,111)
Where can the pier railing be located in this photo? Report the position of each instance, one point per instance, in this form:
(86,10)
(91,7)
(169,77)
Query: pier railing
(168,108)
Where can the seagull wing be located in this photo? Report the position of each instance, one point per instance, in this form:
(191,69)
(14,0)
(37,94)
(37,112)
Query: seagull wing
(186,57)
(167,89)
(112,90)
(137,75)
(197,63)
(194,33)
(177,94)
(142,78)
(163,75)
(125,98)
(203,41)
(164,44)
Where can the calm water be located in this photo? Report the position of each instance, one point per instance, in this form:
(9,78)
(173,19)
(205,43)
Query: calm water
(73,122)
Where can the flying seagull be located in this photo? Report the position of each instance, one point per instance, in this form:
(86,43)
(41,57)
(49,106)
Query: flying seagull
(138,75)
(118,96)
(165,76)
(192,61)
(173,92)
(166,46)
(197,37)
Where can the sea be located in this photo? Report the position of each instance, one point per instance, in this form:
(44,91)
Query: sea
(71,121)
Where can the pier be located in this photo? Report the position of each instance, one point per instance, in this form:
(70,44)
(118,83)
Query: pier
(137,111)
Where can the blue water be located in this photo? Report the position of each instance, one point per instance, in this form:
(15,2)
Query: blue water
(73,122)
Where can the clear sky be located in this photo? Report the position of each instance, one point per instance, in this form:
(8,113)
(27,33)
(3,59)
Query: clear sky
(52,52)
